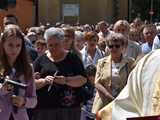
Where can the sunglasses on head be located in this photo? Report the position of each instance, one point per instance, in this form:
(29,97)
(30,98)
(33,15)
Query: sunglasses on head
(115,46)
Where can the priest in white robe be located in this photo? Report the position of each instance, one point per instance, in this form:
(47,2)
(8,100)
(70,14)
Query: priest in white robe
(141,95)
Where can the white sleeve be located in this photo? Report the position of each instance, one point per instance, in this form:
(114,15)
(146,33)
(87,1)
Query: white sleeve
(156,43)
(135,99)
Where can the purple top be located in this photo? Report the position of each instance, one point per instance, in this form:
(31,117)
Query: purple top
(6,107)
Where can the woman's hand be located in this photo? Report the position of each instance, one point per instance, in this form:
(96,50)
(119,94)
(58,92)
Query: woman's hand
(37,75)
(42,82)
(7,88)
(103,92)
(18,101)
(60,80)
(49,79)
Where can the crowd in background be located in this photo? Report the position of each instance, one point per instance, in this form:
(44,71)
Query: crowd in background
(62,58)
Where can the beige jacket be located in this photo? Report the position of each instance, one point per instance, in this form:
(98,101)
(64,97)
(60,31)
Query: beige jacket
(104,77)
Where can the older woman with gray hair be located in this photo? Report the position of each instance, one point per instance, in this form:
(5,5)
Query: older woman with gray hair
(61,74)
(112,72)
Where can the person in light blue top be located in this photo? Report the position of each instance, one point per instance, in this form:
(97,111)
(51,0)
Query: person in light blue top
(86,113)
(149,33)
(91,53)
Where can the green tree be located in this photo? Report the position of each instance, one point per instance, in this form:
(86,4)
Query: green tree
(142,9)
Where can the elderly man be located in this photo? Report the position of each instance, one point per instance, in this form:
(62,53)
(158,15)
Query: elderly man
(149,33)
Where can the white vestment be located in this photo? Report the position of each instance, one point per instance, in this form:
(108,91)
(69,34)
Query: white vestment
(141,95)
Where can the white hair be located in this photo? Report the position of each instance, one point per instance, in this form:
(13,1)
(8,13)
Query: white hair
(54,32)
(79,35)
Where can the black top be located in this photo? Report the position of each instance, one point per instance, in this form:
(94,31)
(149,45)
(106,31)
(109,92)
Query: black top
(59,95)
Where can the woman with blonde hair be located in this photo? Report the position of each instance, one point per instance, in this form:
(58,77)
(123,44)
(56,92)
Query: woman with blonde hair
(132,49)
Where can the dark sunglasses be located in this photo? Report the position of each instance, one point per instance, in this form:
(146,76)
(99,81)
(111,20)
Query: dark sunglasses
(115,46)
(8,23)
(147,33)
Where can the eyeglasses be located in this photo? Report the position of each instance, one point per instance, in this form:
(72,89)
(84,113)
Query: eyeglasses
(115,46)
(8,23)
(147,33)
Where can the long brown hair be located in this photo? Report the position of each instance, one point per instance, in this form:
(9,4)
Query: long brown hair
(21,65)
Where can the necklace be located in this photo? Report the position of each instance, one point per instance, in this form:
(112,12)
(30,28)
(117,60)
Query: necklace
(116,65)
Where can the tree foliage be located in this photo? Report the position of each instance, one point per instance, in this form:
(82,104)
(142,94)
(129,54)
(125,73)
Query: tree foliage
(142,9)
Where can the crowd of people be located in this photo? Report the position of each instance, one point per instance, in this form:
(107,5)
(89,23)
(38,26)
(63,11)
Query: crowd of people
(45,71)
